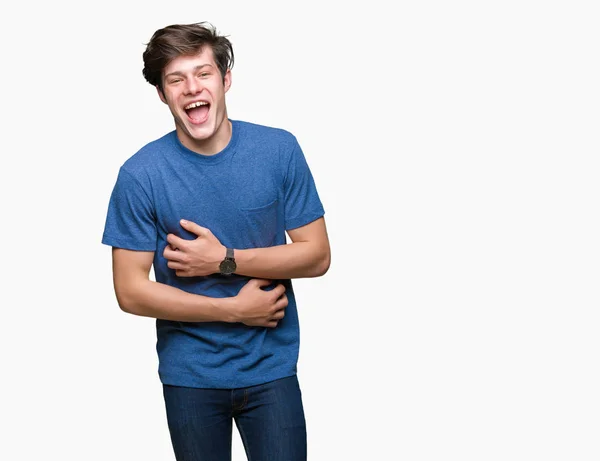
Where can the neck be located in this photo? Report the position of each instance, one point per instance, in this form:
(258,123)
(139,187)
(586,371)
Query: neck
(212,145)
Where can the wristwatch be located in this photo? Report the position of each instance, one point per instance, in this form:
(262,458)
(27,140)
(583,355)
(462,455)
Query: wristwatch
(228,265)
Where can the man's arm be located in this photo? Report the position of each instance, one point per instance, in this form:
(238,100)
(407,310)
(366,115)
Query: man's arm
(308,255)
(138,295)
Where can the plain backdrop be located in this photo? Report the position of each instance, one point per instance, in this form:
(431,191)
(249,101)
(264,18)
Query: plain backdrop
(455,148)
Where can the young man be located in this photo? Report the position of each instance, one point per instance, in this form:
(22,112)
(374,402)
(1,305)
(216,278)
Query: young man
(208,205)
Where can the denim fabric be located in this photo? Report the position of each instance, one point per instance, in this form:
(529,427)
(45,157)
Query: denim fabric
(269,417)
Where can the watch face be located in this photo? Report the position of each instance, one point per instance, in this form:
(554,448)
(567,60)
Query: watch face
(227,267)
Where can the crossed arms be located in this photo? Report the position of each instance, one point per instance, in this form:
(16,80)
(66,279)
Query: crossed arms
(308,255)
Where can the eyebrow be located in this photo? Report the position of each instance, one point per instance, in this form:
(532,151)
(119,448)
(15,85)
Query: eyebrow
(197,68)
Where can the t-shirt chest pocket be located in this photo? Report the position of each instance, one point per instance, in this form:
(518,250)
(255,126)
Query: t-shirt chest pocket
(262,223)
(257,201)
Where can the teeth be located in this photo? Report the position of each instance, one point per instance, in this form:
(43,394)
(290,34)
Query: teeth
(196,104)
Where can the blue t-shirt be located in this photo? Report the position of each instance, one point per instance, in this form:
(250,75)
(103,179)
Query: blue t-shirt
(248,195)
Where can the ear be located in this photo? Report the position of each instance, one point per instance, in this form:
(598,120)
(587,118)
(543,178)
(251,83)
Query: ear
(227,80)
(161,95)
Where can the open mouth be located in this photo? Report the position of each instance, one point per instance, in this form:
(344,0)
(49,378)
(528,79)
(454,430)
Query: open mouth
(197,111)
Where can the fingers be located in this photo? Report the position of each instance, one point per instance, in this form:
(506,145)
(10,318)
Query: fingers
(282,302)
(260,282)
(176,266)
(194,228)
(279,314)
(172,255)
(271,303)
(174,241)
(275,318)
(278,290)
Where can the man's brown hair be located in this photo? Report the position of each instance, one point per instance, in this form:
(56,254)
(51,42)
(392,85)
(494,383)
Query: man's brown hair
(177,40)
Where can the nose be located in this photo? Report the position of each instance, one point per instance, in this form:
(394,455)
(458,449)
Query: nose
(192,86)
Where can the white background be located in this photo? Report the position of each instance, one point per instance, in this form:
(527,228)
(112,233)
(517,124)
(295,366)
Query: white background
(455,148)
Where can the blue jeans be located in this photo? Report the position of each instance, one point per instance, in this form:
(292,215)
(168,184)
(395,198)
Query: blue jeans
(269,418)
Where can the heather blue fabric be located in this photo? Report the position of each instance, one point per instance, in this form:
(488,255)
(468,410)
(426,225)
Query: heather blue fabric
(248,195)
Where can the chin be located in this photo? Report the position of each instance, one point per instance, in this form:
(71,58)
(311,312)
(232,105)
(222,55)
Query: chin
(202,133)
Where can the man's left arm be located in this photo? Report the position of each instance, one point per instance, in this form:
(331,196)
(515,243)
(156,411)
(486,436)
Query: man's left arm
(308,254)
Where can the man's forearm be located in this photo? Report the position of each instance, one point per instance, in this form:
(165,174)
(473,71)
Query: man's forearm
(153,299)
(293,260)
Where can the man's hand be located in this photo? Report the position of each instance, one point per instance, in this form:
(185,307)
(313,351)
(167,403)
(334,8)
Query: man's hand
(194,258)
(254,306)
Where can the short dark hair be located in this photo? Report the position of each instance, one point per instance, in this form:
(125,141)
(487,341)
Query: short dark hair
(177,40)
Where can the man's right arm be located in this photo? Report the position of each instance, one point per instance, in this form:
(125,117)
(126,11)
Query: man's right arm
(138,295)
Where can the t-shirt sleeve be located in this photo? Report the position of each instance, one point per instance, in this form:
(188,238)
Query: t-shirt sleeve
(130,220)
(302,202)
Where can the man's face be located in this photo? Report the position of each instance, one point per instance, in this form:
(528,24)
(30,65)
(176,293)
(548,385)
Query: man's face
(195,91)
